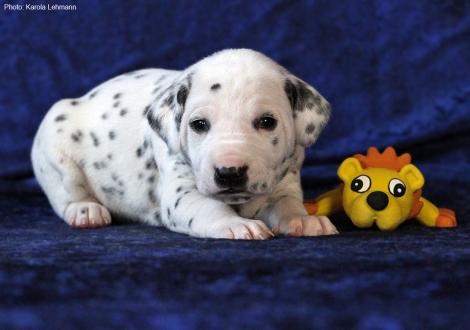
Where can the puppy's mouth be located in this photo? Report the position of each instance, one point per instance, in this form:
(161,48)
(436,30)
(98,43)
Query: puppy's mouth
(231,191)
(233,196)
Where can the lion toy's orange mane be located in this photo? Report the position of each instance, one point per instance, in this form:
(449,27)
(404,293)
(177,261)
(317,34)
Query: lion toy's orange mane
(388,159)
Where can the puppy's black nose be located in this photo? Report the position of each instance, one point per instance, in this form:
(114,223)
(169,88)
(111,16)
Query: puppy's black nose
(378,200)
(232,177)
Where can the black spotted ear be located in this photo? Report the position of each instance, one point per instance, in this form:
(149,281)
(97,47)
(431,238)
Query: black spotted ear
(311,111)
(166,111)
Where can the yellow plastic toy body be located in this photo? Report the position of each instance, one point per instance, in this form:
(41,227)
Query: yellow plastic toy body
(383,189)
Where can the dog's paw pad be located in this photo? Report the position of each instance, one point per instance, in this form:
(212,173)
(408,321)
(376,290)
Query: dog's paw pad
(87,215)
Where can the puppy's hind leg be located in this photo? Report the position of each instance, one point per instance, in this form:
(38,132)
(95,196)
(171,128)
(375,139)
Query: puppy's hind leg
(68,191)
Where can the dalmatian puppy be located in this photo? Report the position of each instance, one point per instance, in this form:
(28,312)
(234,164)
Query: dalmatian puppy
(211,151)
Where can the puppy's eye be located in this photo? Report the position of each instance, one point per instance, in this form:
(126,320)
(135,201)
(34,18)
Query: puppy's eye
(267,123)
(200,125)
(360,184)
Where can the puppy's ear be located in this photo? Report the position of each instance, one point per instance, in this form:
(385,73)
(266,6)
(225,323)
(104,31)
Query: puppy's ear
(165,113)
(310,110)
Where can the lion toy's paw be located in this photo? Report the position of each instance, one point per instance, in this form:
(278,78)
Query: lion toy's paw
(446,218)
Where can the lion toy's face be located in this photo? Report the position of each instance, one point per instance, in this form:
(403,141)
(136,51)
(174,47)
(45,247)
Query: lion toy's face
(378,195)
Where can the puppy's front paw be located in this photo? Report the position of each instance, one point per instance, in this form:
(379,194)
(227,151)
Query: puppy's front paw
(243,229)
(87,215)
(307,225)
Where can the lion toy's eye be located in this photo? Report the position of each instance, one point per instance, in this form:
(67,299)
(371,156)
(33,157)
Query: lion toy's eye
(396,187)
(360,184)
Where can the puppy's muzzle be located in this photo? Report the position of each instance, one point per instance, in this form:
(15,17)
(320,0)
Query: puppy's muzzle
(232,178)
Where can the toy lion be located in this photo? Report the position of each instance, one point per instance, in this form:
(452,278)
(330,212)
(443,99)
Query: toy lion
(381,188)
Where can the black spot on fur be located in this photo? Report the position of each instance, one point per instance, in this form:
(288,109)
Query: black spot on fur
(284,174)
(254,186)
(182,95)
(275,141)
(116,104)
(160,79)
(168,212)
(190,223)
(123,112)
(146,110)
(92,95)
(300,96)
(179,189)
(112,135)
(310,128)
(116,96)
(104,116)
(77,136)
(305,98)
(140,76)
(154,122)
(189,78)
(110,156)
(74,102)
(83,210)
(215,87)
(100,165)
(150,164)
(155,91)
(177,202)
(140,176)
(96,141)
(152,197)
(264,186)
(110,191)
(60,130)
(178,118)
(291,92)
(151,179)
(157,216)
(323,109)
(60,118)
(168,101)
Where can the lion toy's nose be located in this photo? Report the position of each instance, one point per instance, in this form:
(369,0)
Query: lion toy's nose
(378,200)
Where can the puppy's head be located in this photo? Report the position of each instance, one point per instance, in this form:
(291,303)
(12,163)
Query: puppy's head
(239,117)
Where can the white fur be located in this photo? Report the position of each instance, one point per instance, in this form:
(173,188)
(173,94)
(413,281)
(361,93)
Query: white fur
(127,150)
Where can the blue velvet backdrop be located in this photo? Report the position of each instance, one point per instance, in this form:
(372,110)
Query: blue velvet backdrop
(396,73)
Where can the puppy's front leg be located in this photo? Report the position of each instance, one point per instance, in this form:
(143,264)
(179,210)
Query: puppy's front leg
(184,209)
(288,216)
